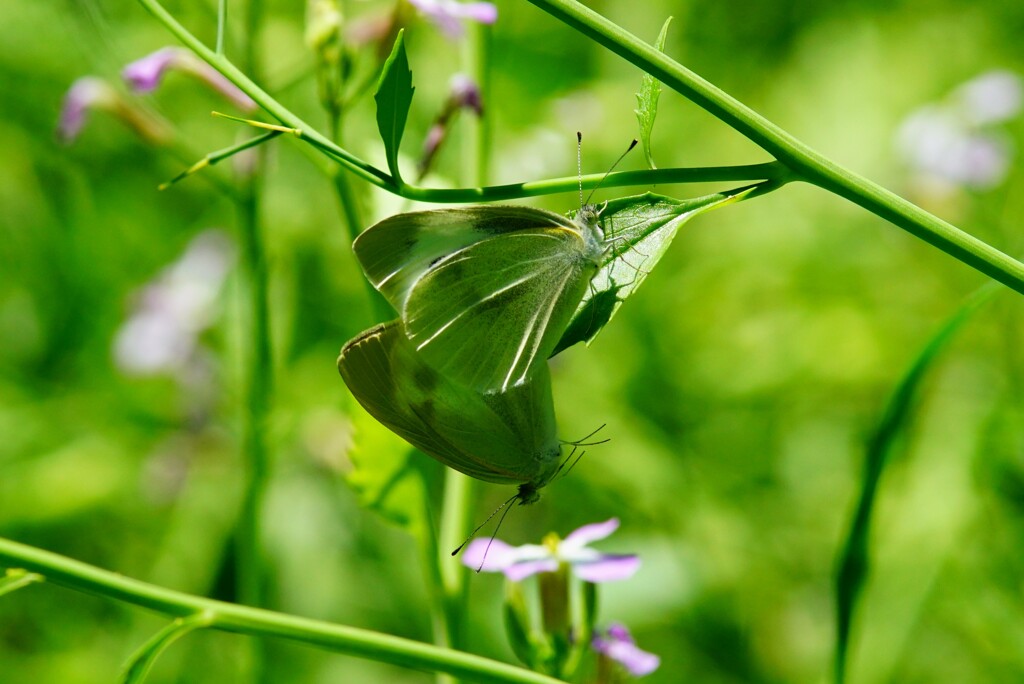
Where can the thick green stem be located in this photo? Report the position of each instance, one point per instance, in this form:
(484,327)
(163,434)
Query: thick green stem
(804,161)
(231,617)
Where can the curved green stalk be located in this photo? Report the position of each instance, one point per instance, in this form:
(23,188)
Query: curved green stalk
(854,557)
(230,617)
(805,162)
(142,661)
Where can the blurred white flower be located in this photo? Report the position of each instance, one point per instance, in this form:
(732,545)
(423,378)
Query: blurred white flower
(955,142)
(993,97)
(162,333)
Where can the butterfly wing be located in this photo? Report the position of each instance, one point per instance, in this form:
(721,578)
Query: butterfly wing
(488,315)
(497,438)
(399,250)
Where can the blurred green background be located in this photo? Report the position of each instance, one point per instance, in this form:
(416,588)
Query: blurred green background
(738,386)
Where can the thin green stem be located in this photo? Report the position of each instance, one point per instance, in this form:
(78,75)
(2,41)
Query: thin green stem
(231,617)
(805,162)
(704,174)
(262,98)
(458,492)
(383,180)
(222,21)
(17,578)
(251,569)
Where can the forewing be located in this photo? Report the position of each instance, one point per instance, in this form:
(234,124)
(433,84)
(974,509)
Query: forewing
(510,434)
(489,314)
(365,365)
(490,438)
(399,250)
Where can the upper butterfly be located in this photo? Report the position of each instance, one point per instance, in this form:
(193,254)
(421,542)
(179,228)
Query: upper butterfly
(485,293)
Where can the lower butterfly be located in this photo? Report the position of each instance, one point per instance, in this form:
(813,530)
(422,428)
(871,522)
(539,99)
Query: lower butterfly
(505,437)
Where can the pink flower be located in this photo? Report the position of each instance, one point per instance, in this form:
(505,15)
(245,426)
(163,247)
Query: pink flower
(85,94)
(448,15)
(162,333)
(464,92)
(145,74)
(616,643)
(519,562)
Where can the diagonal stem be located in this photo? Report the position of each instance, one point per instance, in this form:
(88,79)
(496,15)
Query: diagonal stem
(808,164)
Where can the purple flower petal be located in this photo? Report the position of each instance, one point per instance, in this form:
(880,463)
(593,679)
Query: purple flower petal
(633,658)
(617,643)
(84,94)
(494,559)
(483,12)
(520,571)
(591,533)
(447,14)
(608,569)
(465,93)
(145,75)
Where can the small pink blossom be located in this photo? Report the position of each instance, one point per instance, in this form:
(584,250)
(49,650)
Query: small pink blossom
(616,643)
(448,15)
(85,94)
(519,562)
(162,333)
(145,75)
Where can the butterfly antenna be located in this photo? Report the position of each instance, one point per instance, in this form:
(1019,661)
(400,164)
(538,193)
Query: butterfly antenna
(583,440)
(573,464)
(579,163)
(496,528)
(473,533)
(561,467)
(606,173)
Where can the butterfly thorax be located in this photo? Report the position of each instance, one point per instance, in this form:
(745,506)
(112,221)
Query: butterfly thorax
(550,464)
(588,219)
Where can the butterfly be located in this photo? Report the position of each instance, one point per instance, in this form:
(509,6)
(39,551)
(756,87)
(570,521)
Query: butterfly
(504,437)
(484,293)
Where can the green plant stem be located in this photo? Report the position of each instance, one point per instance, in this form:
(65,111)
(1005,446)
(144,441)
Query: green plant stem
(222,21)
(648,177)
(231,617)
(384,180)
(250,571)
(458,493)
(854,557)
(805,162)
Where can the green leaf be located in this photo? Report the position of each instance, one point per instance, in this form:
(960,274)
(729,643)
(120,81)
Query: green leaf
(17,579)
(393,96)
(141,662)
(647,101)
(390,477)
(517,625)
(639,230)
(854,557)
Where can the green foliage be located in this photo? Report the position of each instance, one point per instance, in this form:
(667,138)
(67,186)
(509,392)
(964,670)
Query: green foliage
(393,97)
(735,390)
(142,661)
(647,101)
(854,558)
(638,230)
